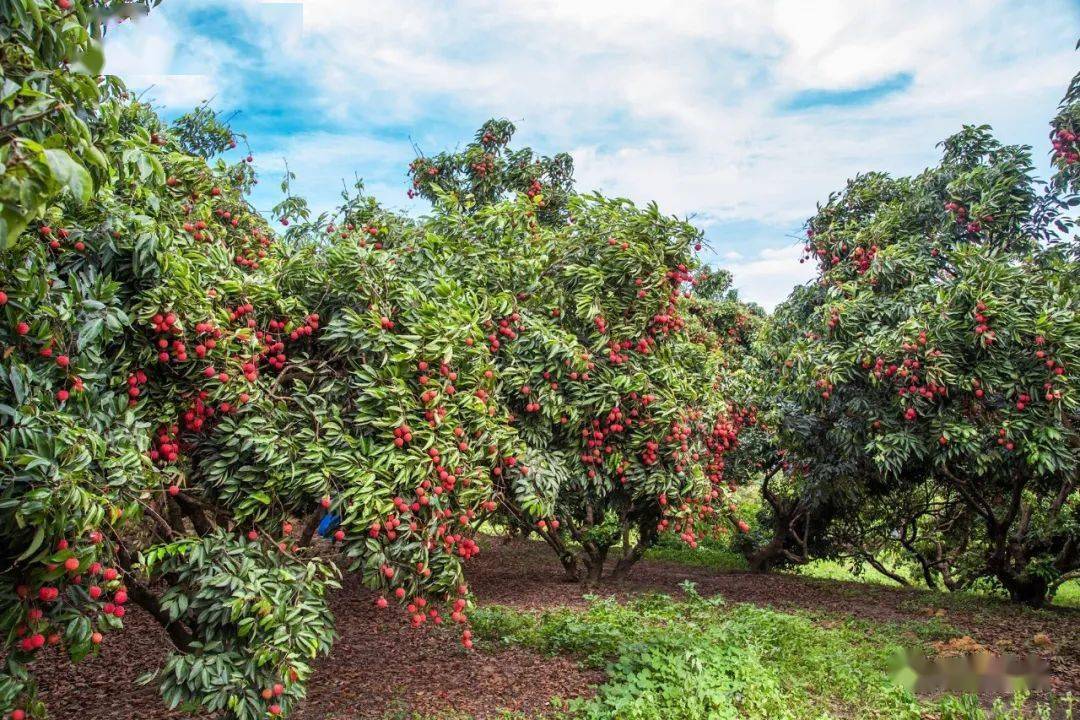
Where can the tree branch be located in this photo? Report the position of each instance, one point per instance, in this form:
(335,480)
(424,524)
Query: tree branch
(194,512)
(307,533)
(142,596)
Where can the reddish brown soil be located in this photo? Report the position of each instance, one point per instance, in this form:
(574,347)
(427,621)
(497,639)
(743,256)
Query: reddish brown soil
(380,668)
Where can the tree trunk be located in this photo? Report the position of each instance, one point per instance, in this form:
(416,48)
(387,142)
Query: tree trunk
(646,538)
(141,595)
(195,513)
(175,517)
(568,559)
(593,574)
(769,555)
(594,565)
(1028,589)
(622,567)
(178,634)
(307,533)
(785,515)
(570,565)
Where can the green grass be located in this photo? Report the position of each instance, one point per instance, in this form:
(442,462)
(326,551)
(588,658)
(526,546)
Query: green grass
(716,557)
(834,570)
(701,658)
(1068,595)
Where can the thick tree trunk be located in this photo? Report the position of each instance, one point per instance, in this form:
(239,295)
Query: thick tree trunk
(622,567)
(307,533)
(1028,589)
(768,556)
(175,517)
(594,559)
(593,575)
(570,565)
(568,559)
(646,538)
(195,513)
(785,515)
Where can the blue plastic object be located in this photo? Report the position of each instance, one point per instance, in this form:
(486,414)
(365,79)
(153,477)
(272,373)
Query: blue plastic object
(329,524)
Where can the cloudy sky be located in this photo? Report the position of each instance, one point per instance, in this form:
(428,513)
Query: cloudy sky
(740,114)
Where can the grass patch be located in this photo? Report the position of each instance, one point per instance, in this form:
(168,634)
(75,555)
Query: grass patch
(702,658)
(718,558)
(1068,595)
(834,570)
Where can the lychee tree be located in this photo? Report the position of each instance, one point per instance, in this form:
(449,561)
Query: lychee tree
(179,420)
(617,392)
(155,356)
(534,362)
(138,314)
(942,345)
(487,170)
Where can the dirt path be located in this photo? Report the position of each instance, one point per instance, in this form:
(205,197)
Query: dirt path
(381,668)
(381,665)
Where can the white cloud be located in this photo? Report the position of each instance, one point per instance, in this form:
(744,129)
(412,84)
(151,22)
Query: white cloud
(700,134)
(678,103)
(318,180)
(769,277)
(146,54)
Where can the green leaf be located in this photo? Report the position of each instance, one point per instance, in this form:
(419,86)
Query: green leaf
(91,60)
(39,537)
(12,223)
(89,332)
(67,172)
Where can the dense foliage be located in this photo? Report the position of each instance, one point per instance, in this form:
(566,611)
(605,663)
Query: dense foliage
(141,316)
(187,396)
(614,371)
(488,170)
(189,400)
(926,380)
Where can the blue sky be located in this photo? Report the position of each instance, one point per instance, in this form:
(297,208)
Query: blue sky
(741,115)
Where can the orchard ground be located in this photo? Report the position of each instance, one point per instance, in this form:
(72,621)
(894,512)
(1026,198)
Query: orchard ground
(539,643)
